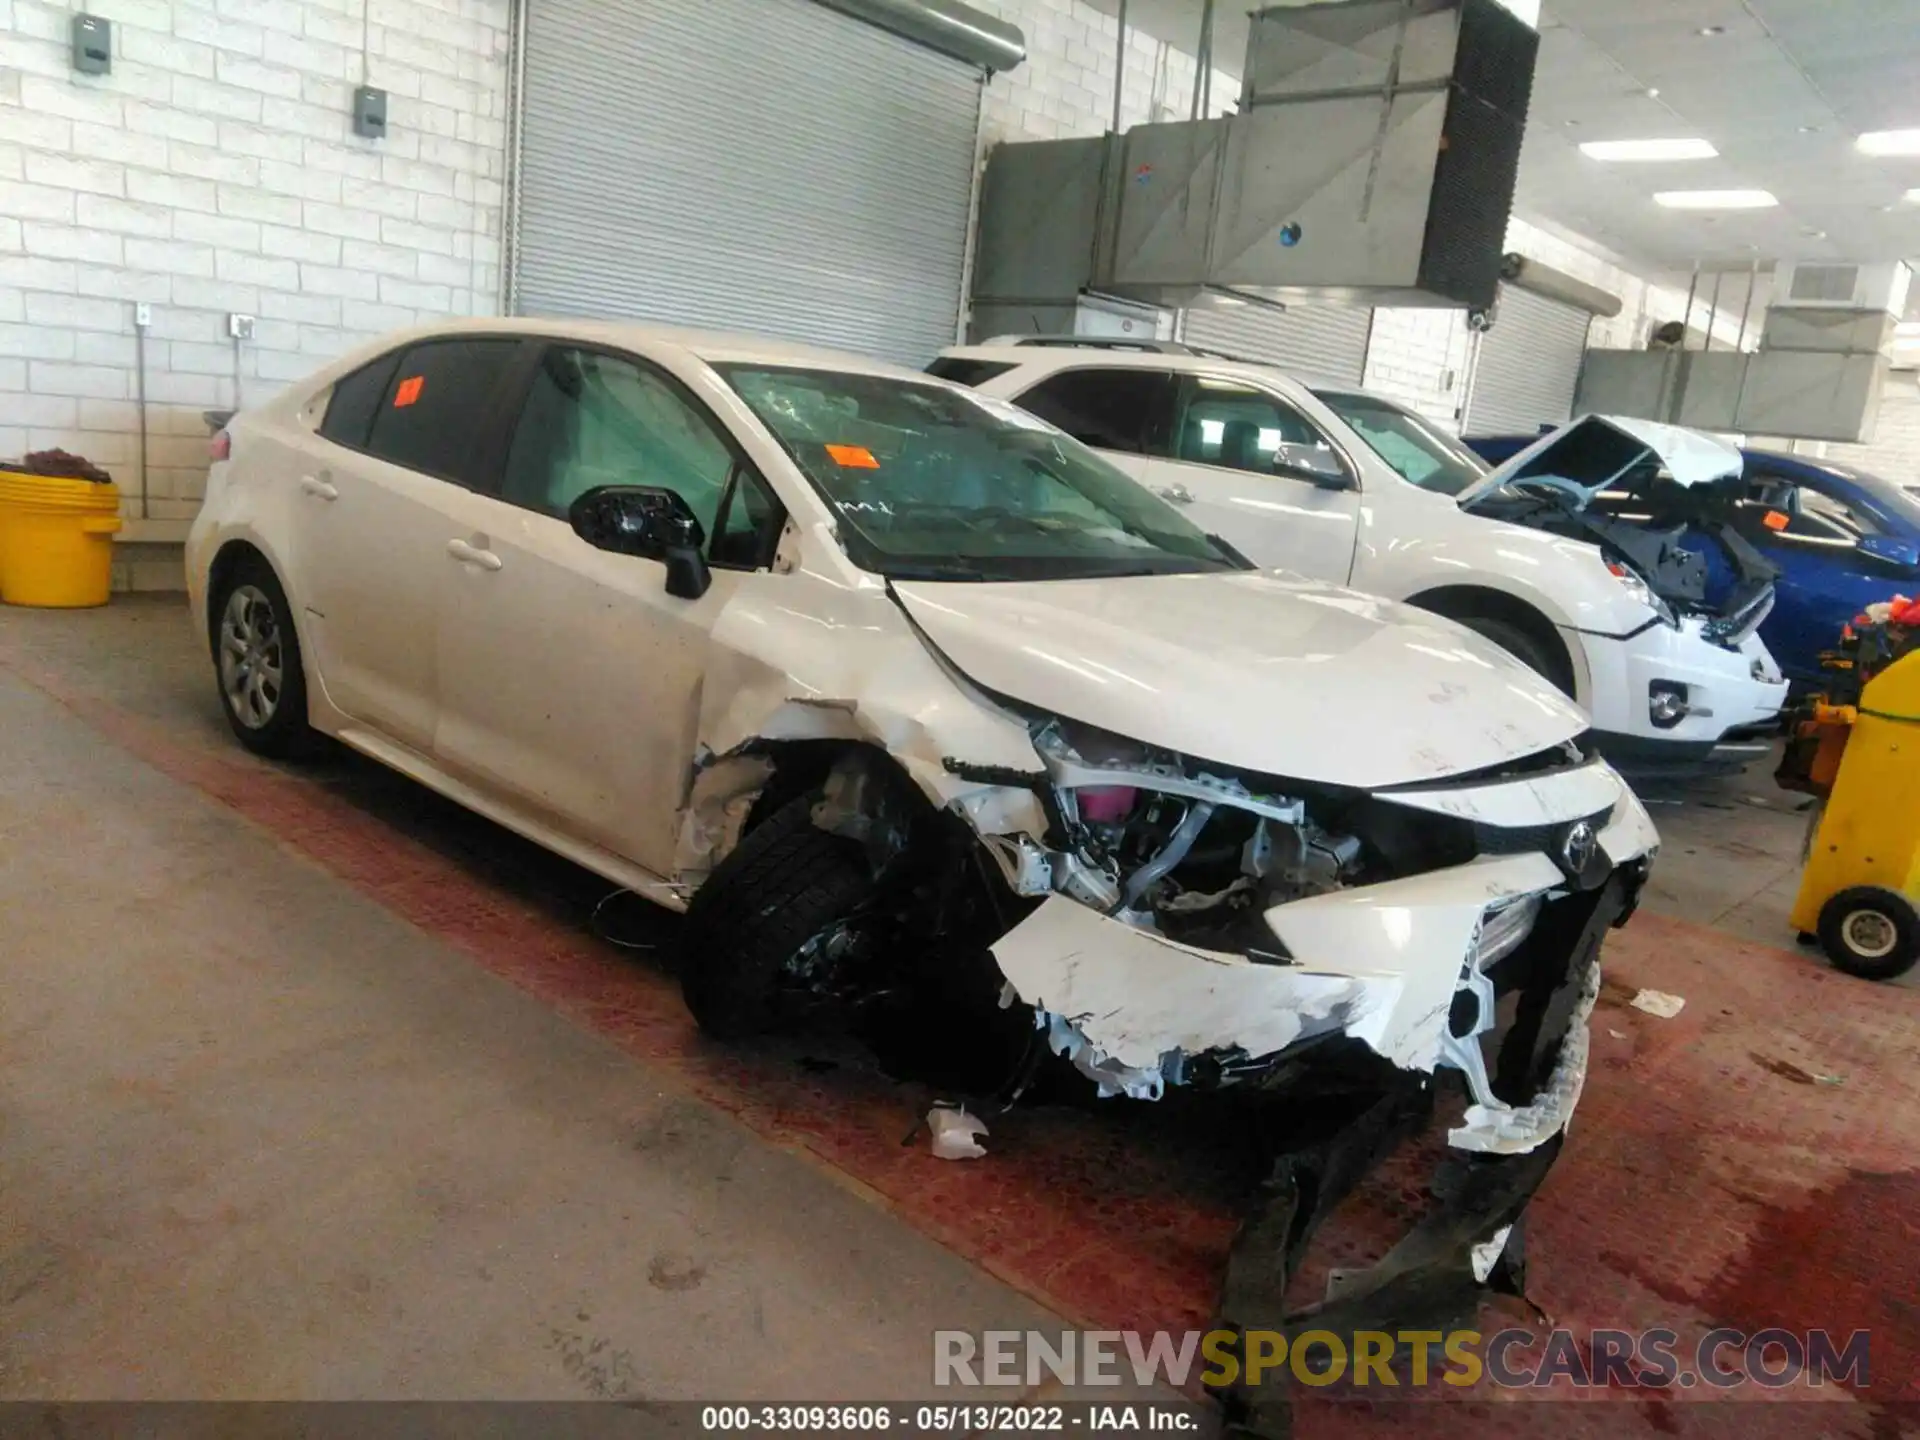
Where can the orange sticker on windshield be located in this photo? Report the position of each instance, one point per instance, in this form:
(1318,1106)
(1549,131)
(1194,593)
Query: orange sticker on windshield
(409,390)
(853,457)
(1776,520)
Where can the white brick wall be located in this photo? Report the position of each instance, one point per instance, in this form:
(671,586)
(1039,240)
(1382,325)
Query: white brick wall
(1894,452)
(215,170)
(1065,88)
(1420,358)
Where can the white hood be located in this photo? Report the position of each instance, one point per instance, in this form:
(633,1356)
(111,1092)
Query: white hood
(1283,677)
(1688,456)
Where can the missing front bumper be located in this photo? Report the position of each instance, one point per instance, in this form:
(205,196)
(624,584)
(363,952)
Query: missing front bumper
(1465,1242)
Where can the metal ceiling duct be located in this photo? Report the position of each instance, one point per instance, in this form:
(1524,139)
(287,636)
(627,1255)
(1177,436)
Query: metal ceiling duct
(1372,162)
(1555,284)
(944,25)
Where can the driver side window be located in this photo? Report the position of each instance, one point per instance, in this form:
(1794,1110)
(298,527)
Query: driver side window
(1810,514)
(592,419)
(1240,427)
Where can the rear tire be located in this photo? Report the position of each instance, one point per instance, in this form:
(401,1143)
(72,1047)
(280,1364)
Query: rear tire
(257,665)
(1870,932)
(784,884)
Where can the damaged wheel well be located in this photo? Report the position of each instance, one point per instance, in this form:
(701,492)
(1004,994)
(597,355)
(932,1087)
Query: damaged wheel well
(1544,650)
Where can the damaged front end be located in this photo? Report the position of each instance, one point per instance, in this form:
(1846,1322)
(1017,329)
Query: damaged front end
(1660,503)
(1378,961)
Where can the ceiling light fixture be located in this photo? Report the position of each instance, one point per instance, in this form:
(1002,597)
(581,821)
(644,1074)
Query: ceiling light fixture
(1715,199)
(1889,142)
(1629,150)
(1711,30)
(1913,197)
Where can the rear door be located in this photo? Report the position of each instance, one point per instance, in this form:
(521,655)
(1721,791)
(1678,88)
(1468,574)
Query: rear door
(391,457)
(570,679)
(1228,436)
(1124,413)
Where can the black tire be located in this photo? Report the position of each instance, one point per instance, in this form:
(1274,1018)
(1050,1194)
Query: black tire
(283,733)
(1870,907)
(783,884)
(1522,646)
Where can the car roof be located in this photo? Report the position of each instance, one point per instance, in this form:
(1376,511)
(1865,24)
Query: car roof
(1062,356)
(709,345)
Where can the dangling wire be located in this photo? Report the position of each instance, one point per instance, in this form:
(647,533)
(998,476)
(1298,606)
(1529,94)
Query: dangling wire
(600,931)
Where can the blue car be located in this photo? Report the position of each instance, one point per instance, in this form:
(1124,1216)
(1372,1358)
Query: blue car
(1842,539)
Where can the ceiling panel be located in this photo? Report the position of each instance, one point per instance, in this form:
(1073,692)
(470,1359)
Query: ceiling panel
(1781,90)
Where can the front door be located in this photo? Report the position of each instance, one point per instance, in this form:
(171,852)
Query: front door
(1825,579)
(1240,455)
(570,680)
(375,488)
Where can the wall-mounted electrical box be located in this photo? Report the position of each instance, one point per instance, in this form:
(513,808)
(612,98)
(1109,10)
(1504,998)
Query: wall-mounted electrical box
(370,113)
(92,45)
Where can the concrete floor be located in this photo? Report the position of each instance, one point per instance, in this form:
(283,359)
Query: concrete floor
(260,1138)
(314,1086)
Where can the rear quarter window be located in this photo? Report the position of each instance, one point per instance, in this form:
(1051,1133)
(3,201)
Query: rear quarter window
(962,371)
(356,398)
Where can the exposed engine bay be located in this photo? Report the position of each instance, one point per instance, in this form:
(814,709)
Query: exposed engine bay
(1199,854)
(1601,482)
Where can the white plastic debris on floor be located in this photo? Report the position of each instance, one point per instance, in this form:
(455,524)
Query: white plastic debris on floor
(1658,1002)
(955,1133)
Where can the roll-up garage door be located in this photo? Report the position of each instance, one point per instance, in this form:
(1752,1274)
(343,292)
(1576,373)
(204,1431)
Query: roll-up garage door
(1322,344)
(1528,365)
(769,166)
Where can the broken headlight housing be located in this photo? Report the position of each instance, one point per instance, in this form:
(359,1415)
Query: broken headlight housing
(1168,845)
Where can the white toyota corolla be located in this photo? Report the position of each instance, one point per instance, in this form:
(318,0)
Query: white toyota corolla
(894,688)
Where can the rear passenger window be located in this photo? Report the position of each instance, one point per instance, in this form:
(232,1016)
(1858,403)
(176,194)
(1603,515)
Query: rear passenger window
(356,399)
(967,372)
(439,397)
(1108,409)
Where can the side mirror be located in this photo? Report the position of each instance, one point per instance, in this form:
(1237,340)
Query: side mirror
(650,522)
(1313,463)
(1900,556)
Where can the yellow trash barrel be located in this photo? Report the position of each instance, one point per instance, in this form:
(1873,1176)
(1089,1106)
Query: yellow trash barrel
(56,540)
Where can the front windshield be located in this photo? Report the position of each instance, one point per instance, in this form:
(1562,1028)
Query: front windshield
(929,482)
(1422,453)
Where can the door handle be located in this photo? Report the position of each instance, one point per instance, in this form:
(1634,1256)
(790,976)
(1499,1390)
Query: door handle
(1178,494)
(473,555)
(318,488)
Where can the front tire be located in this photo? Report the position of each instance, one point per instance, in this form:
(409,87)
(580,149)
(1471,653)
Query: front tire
(787,883)
(257,664)
(1870,933)
(1519,644)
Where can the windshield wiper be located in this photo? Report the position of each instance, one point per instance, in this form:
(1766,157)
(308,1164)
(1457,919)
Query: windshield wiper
(933,570)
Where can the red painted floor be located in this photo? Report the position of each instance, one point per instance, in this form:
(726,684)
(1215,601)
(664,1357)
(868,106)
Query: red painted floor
(1751,1163)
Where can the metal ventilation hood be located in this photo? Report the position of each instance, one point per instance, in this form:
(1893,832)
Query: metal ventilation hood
(1372,161)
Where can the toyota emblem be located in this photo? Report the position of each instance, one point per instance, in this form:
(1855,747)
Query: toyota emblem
(1576,851)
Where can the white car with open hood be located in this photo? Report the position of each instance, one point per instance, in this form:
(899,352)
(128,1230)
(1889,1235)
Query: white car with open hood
(1352,488)
(918,708)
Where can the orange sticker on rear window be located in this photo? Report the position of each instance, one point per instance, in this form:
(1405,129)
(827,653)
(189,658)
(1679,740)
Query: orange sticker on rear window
(853,457)
(409,390)
(1776,520)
